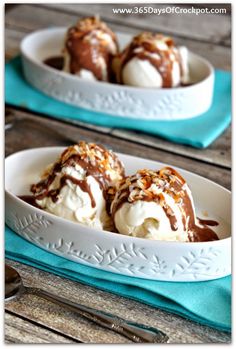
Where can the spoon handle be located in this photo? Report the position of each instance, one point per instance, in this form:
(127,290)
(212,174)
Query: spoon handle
(138,333)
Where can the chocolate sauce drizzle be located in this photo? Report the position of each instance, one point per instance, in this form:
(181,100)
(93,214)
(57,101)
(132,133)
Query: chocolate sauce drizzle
(95,169)
(56,62)
(163,64)
(167,178)
(85,48)
(85,54)
(176,189)
(30,199)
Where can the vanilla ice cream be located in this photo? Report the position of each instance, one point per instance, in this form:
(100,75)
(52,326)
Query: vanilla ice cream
(158,205)
(75,186)
(89,49)
(152,60)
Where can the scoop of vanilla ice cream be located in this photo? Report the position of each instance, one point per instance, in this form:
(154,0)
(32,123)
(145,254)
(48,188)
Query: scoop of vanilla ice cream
(141,73)
(75,204)
(86,75)
(184,56)
(148,220)
(88,49)
(74,187)
(152,60)
(156,205)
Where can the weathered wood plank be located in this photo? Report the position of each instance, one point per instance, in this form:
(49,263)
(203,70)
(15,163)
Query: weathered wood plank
(214,28)
(218,153)
(71,327)
(21,18)
(55,317)
(20,331)
(12,42)
(33,308)
(30,131)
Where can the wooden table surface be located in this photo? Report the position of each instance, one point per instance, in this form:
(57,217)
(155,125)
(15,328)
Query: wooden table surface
(34,320)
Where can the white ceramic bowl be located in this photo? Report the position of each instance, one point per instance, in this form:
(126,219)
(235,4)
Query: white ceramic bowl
(126,101)
(156,260)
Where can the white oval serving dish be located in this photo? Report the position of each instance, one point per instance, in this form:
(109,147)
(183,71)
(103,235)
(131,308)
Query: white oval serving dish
(156,260)
(119,100)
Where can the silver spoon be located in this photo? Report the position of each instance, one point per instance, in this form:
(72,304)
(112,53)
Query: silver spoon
(138,333)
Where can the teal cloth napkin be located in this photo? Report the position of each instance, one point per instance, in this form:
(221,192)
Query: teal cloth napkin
(198,132)
(207,302)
